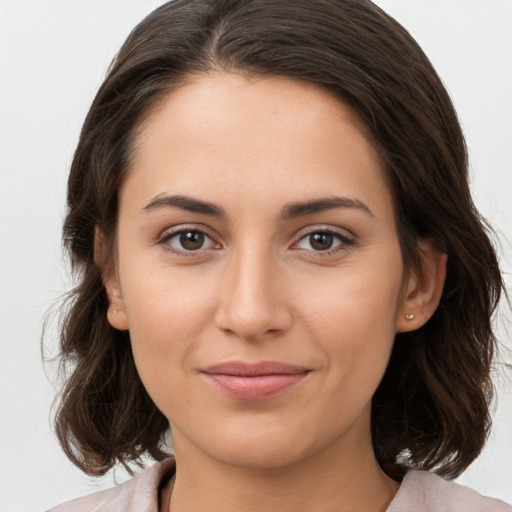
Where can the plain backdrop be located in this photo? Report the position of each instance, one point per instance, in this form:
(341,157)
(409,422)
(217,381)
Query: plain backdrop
(53,56)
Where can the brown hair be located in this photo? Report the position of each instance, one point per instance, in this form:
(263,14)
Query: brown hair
(431,410)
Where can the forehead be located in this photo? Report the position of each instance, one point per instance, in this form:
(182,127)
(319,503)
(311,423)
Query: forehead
(223,132)
(252,104)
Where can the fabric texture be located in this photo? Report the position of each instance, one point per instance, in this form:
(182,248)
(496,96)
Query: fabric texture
(420,491)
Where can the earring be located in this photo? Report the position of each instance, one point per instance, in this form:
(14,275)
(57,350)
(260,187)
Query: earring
(114,311)
(409,316)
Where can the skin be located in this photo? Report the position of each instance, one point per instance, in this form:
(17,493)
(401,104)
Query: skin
(258,290)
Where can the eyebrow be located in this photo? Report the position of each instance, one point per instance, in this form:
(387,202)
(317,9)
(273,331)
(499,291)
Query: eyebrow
(185,203)
(299,209)
(291,211)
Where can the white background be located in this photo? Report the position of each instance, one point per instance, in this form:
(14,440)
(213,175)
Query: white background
(53,56)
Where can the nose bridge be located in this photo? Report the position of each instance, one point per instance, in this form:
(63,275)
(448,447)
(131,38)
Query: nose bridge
(251,302)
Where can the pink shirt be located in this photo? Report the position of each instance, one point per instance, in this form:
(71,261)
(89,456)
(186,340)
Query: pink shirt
(420,491)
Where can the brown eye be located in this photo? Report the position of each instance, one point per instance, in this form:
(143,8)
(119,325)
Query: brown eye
(321,241)
(192,240)
(188,241)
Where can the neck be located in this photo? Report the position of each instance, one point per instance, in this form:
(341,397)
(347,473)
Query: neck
(328,482)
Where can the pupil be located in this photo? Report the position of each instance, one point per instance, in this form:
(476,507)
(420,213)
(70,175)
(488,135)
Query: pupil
(192,240)
(321,241)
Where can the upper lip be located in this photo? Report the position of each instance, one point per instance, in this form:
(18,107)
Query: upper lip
(243,369)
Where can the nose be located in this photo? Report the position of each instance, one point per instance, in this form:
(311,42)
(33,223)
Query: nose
(252,297)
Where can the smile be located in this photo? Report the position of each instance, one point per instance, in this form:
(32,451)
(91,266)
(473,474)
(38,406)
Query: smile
(262,381)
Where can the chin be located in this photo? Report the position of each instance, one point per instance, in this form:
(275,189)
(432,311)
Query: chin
(259,445)
(261,454)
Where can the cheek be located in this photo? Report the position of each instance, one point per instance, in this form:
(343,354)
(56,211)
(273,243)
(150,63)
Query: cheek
(167,313)
(353,320)
(161,301)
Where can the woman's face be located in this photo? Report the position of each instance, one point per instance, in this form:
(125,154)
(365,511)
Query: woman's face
(259,270)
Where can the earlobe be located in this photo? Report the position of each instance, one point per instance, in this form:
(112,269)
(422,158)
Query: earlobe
(424,289)
(116,314)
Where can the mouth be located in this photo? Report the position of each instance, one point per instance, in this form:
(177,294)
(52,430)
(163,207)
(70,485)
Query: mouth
(256,382)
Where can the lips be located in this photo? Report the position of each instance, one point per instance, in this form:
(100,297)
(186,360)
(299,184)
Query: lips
(261,381)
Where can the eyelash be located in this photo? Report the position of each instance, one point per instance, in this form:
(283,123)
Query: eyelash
(169,235)
(345,241)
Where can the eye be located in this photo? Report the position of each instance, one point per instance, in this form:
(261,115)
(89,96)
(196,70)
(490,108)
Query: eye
(188,240)
(323,241)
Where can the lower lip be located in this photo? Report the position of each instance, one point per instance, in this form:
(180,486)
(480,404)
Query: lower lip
(260,387)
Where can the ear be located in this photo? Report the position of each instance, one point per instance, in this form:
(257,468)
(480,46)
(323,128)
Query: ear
(116,314)
(423,288)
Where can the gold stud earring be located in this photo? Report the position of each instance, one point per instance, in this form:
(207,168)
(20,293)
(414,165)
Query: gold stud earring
(409,316)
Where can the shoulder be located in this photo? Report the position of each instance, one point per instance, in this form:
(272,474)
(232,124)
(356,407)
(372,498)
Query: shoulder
(426,492)
(139,494)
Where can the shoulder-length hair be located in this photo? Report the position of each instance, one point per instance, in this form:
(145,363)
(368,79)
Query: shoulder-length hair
(431,410)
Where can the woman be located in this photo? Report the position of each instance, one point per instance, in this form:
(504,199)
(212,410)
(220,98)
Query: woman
(279,257)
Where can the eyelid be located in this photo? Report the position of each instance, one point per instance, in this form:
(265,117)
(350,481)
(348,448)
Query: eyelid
(342,235)
(346,238)
(169,233)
